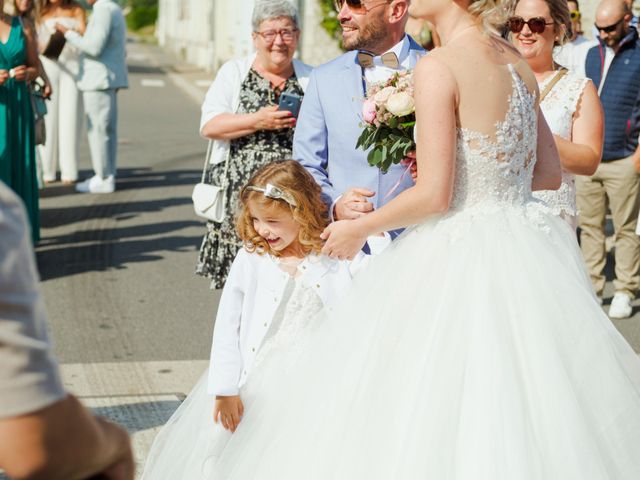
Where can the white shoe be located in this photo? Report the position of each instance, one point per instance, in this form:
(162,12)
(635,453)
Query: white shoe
(97,184)
(620,306)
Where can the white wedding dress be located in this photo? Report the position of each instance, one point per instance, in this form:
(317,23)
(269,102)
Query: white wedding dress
(473,348)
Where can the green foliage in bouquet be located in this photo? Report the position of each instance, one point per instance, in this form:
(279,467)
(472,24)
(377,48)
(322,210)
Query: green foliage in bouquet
(391,143)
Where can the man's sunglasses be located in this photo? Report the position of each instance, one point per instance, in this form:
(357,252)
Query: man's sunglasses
(536,24)
(610,28)
(357,6)
(575,15)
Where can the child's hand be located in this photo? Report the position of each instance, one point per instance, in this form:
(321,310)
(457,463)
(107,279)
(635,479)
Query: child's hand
(229,411)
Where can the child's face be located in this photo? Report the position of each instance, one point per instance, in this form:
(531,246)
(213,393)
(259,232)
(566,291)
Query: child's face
(277,227)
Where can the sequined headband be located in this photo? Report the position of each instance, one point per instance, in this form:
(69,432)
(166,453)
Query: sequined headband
(276,193)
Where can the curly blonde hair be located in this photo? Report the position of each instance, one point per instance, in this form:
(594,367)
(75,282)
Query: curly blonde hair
(310,211)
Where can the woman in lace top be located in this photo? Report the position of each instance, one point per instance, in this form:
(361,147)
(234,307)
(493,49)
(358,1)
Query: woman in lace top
(570,104)
(277,287)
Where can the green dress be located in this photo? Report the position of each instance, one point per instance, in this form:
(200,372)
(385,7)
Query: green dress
(17,145)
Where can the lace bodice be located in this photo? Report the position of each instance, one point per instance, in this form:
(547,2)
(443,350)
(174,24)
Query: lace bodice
(495,171)
(559,107)
(300,306)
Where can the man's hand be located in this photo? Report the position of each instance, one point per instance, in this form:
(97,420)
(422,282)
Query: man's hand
(353,204)
(410,161)
(123,468)
(270,118)
(636,161)
(229,411)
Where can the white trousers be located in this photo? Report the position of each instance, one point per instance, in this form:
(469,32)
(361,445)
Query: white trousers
(101,107)
(63,123)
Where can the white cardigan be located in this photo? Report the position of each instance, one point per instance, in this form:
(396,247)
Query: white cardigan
(223,95)
(250,299)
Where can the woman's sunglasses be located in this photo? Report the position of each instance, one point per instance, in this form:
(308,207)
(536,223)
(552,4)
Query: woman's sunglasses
(536,24)
(357,6)
(575,15)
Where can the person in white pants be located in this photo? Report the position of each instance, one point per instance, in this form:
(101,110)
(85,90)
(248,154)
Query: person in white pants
(64,111)
(103,71)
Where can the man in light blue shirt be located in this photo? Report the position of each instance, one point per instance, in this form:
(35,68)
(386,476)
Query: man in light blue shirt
(103,71)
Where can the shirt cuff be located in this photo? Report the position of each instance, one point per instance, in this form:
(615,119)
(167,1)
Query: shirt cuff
(333,205)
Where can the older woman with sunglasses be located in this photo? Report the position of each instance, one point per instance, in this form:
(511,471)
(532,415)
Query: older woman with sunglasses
(240,116)
(569,102)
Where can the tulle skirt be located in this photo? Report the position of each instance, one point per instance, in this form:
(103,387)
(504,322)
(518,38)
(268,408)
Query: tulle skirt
(473,348)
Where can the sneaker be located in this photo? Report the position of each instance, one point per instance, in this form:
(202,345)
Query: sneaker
(620,306)
(97,184)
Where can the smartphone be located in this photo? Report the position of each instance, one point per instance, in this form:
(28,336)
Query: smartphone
(290,102)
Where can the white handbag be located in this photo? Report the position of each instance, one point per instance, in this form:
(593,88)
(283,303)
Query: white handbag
(209,200)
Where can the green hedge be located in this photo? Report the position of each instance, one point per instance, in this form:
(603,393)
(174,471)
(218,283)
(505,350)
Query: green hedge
(330,19)
(142,14)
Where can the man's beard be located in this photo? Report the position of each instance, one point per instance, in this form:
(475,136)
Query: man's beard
(368,37)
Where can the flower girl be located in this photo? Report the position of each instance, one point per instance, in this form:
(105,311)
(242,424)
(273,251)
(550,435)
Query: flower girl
(277,288)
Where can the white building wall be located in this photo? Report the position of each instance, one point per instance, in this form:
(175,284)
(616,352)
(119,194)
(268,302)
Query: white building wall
(209,32)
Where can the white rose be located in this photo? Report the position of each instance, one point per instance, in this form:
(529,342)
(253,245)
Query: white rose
(400,104)
(383,95)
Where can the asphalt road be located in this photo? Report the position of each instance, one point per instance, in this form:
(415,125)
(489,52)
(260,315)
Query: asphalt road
(131,322)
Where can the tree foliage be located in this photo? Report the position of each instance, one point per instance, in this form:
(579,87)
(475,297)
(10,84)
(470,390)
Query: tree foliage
(142,13)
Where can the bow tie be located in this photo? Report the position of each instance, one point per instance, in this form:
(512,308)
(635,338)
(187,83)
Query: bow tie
(389,59)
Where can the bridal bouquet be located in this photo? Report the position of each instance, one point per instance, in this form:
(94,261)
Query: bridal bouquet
(389,116)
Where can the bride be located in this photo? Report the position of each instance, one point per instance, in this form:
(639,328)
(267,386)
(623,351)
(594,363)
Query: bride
(474,347)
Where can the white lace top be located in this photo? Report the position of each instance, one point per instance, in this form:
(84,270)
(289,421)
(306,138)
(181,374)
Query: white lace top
(300,306)
(559,107)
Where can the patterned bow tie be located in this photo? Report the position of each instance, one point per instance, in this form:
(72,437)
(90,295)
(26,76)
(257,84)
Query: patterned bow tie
(389,59)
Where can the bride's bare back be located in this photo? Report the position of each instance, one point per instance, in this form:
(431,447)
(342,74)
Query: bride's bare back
(484,83)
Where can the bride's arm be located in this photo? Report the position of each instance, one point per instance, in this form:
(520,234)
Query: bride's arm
(547,174)
(435,92)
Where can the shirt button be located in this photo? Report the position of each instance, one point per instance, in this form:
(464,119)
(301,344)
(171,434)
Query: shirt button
(275,299)
(253,349)
(265,324)
(317,285)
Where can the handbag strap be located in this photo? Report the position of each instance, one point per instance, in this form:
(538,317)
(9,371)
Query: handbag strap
(207,162)
(559,74)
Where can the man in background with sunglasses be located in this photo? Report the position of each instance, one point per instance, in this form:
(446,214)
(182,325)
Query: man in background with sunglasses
(329,122)
(614,66)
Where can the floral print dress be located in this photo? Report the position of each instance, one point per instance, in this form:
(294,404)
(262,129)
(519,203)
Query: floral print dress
(247,154)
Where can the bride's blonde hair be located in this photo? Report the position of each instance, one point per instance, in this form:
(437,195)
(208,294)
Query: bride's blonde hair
(492,14)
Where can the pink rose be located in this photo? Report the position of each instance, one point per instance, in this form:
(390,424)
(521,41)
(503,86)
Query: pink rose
(369,111)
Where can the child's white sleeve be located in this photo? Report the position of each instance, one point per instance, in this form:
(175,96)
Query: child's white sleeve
(226,362)
(377,244)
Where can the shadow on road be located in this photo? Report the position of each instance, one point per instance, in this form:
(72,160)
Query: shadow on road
(130,178)
(108,251)
(56,217)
